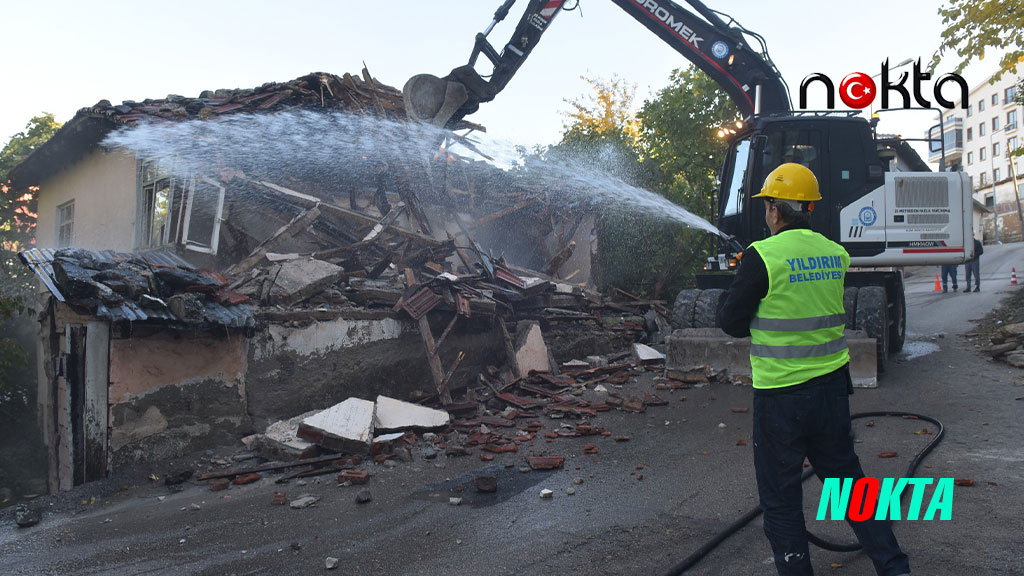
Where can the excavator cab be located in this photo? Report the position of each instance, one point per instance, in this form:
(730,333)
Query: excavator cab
(836,146)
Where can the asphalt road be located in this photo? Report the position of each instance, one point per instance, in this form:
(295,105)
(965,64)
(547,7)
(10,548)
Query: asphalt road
(642,506)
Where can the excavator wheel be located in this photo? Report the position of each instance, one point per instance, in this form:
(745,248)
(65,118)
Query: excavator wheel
(682,311)
(850,304)
(898,330)
(873,318)
(705,312)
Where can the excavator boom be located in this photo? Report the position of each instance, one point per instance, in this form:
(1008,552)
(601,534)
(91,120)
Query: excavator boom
(718,48)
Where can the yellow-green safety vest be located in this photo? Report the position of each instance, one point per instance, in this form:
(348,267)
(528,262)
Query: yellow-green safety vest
(797,332)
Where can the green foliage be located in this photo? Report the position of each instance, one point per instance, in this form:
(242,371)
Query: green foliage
(17,230)
(680,129)
(974,26)
(671,148)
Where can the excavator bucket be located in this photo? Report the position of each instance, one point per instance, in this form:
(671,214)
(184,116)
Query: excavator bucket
(433,100)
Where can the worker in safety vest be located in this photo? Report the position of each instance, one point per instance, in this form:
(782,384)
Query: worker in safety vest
(788,297)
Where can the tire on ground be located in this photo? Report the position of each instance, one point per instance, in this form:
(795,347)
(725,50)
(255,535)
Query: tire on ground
(682,311)
(872,317)
(898,330)
(705,313)
(850,304)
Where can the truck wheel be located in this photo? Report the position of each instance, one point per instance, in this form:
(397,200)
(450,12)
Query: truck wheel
(873,318)
(850,304)
(898,330)
(682,311)
(705,313)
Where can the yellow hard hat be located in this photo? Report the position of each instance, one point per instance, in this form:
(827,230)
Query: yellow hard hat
(791,181)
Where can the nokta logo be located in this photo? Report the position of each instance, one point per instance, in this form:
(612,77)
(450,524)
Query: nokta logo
(858,90)
(859,500)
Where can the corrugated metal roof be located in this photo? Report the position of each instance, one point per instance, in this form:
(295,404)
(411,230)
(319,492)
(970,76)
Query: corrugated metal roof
(40,260)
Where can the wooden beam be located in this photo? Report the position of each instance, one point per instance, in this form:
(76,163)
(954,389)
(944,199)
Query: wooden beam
(299,223)
(433,359)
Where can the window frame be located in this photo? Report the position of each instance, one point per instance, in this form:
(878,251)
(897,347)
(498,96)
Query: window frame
(219,214)
(65,222)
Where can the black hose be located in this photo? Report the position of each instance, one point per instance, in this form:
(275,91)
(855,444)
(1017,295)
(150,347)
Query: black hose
(742,521)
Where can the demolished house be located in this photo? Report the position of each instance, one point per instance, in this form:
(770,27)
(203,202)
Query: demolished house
(228,301)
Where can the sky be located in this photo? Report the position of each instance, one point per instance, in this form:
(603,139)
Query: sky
(61,56)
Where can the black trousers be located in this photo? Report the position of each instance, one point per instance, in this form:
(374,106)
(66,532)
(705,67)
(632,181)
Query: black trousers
(811,420)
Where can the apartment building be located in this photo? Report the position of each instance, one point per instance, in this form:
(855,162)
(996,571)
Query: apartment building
(978,140)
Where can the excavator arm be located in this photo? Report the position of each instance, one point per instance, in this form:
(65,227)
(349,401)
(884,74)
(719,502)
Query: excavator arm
(717,47)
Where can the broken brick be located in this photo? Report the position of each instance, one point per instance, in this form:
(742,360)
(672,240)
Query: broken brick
(590,449)
(219,484)
(354,476)
(279,499)
(633,405)
(546,462)
(246,479)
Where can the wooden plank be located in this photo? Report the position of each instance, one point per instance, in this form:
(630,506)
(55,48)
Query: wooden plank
(299,223)
(270,466)
(502,213)
(433,360)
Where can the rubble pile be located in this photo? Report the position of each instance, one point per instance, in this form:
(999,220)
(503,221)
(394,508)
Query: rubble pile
(515,420)
(361,93)
(1006,344)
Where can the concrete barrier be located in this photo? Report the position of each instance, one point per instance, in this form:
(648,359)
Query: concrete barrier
(691,347)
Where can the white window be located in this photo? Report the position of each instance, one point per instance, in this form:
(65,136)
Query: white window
(995,149)
(203,213)
(995,99)
(1010,94)
(981,105)
(981,154)
(66,224)
(1011,119)
(180,210)
(162,197)
(984,178)
(995,175)
(1011,144)
(995,124)
(970,111)
(981,129)
(970,134)
(970,158)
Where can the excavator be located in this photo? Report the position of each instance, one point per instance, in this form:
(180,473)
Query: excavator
(886,218)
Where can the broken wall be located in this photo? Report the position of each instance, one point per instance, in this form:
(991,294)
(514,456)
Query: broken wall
(304,366)
(172,393)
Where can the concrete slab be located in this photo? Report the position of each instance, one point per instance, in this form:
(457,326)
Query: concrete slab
(394,414)
(644,354)
(691,347)
(299,279)
(280,441)
(344,427)
(531,351)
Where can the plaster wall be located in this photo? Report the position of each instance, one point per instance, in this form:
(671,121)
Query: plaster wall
(104,188)
(171,394)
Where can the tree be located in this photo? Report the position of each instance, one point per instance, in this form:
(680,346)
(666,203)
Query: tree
(17,230)
(680,129)
(974,26)
(669,148)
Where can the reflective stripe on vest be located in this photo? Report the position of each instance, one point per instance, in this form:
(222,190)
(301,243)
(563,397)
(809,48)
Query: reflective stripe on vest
(797,332)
